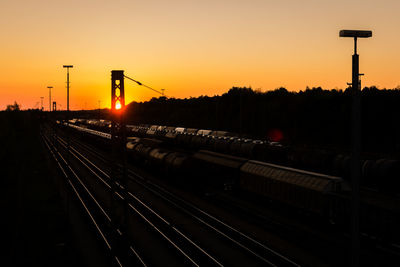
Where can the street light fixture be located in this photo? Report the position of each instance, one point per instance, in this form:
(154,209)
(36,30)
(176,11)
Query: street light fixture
(355,33)
(356,143)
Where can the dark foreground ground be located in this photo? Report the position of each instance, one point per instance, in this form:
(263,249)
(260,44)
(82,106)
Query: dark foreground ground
(34,228)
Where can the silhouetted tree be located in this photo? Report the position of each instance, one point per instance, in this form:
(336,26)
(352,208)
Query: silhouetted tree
(13,107)
(311,117)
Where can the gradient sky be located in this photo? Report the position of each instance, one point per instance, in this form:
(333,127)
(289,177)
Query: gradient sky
(190,48)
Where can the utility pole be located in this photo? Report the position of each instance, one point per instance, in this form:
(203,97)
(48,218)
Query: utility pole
(356,145)
(68,137)
(99,108)
(50,87)
(68,67)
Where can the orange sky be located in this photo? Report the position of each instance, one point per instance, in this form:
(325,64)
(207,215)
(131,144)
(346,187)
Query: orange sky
(189,47)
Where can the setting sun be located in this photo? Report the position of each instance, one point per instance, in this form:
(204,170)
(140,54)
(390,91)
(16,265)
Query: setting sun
(118,105)
(255,45)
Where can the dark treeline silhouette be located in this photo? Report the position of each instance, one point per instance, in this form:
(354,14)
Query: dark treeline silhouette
(13,107)
(310,117)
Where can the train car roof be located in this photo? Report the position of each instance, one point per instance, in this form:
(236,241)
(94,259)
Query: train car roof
(219,159)
(306,179)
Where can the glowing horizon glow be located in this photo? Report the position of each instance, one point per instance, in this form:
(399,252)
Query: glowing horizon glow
(190,48)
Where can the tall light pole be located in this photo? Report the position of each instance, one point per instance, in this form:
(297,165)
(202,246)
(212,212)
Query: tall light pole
(99,108)
(68,67)
(356,145)
(50,87)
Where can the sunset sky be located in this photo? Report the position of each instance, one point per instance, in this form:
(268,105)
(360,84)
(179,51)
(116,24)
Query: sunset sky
(189,47)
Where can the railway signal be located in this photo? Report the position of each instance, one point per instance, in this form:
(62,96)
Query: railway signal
(356,143)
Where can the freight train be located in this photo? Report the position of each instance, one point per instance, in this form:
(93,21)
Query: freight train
(378,173)
(207,170)
(315,194)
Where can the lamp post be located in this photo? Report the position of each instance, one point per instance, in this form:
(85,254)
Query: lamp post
(50,87)
(99,108)
(356,144)
(68,67)
(68,139)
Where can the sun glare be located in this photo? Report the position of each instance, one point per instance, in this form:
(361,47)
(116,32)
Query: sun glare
(118,105)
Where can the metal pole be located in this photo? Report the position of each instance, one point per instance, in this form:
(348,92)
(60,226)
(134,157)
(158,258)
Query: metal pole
(356,148)
(50,87)
(99,109)
(356,145)
(68,67)
(67,89)
(118,139)
(68,137)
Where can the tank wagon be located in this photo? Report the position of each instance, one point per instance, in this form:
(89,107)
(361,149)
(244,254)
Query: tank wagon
(378,173)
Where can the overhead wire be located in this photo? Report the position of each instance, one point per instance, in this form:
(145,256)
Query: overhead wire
(148,87)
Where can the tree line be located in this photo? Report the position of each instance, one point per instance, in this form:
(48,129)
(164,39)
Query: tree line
(309,117)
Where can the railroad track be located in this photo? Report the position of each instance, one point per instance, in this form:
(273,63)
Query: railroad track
(179,228)
(93,209)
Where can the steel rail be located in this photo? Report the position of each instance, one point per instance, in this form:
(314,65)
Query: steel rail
(83,203)
(100,207)
(143,204)
(147,207)
(211,217)
(96,202)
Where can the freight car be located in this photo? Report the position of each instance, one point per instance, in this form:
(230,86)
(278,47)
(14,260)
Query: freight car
(302,189)
(215,170)
(380,174)
(89,132)
(207,171)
